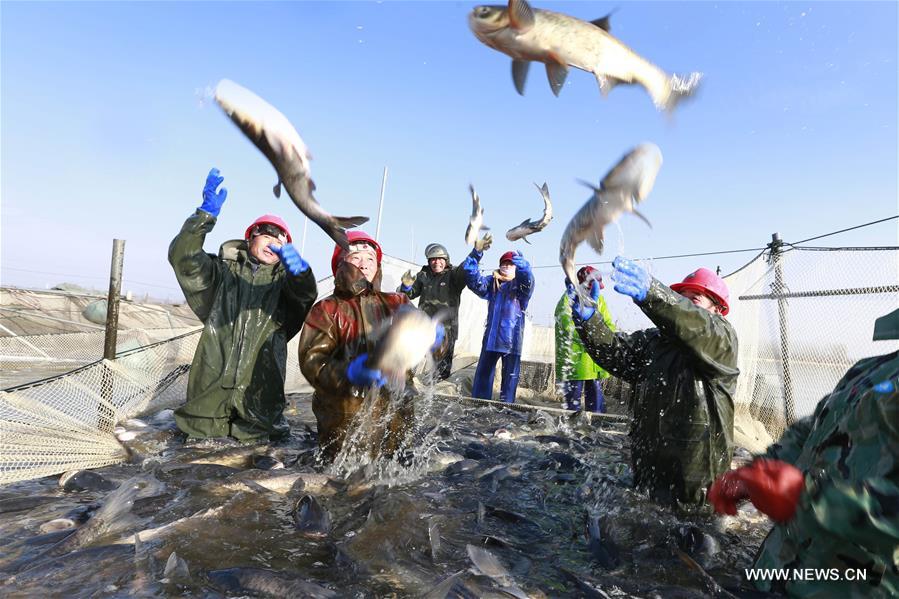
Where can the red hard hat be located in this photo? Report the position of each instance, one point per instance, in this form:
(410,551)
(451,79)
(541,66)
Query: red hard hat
(354,237)
(706,282)
(586,271)
(269,219)
(507,257)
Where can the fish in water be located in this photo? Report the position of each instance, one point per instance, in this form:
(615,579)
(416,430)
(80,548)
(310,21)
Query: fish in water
(626,185)
(267,583)
(559,41)
(476,220)
(489,565)
(273,134)
(603,549)
(311,519)
(85,480)
(404,342)
(529,227)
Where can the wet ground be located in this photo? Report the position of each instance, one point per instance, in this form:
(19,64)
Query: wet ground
(482,503)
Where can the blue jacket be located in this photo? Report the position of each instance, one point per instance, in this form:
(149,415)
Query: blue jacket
(507,303)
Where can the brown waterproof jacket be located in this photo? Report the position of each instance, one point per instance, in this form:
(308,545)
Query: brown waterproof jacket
(338,329)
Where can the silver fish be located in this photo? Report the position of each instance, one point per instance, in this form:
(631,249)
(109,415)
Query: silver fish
(272,133)
(626,185)
(404,343)
(311,519)
(476,221)
(559,41)
(267,583)
(527,226)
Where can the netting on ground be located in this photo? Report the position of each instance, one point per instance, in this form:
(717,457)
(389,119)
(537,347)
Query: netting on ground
(801,323)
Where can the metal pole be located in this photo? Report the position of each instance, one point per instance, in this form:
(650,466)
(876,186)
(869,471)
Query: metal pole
(778,291)
(303,245)
(112,299)
(381,204)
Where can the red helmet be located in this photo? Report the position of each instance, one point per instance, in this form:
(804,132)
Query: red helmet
(587,271)
(269,219)
(354,237)
(507,257)
(708,283)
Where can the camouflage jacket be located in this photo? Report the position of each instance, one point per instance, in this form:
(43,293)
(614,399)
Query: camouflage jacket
(684,374)
(848,514)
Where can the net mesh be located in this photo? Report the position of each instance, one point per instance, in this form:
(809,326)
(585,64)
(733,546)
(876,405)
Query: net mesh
(792,351)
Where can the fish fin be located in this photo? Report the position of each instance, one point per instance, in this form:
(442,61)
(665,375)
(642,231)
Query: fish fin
(603,23)
(484,228)
(521,15)
(525,239)
(606,84)
(525,222)
(595,241)
(643,218)
(348,222)
(520,74)
(277,189)
(556,72)
(590,185)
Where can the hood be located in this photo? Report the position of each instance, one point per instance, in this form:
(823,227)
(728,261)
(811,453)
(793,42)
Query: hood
(349,281)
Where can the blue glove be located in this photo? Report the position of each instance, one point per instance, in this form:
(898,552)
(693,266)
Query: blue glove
(631,278)
(441,334)
(521,265)
(585,312)
(361,376)
(291,258)
(212,201)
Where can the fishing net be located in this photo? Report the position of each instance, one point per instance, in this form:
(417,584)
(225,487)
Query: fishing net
(802,321)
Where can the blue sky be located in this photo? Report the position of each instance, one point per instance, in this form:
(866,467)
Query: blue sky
(108,129)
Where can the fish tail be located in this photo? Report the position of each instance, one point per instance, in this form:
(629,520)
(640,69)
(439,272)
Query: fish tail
(679,88)
(348,222)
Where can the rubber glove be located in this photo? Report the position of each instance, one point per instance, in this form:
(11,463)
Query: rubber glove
(407,280)
(212,201)
(521,265)
(438,340)
(585,312)
(483,244)
(772,486)
(631,278)
(359,375)
(291,258)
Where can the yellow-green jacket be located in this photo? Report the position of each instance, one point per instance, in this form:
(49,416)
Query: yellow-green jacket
(573,363)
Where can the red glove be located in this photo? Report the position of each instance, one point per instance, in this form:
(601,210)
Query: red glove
(726,491)
(772,486)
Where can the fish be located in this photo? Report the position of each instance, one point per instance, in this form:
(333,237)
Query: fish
(627,184)
(602,548)
(476,221)
(176,568)
(529,227)
(434,538)
(267,583)
(311,519)
(403,343)
(559,41)
(85,480)
(489,565)
(272,133)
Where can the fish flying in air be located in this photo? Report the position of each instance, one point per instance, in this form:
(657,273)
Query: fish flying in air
(559,41)
(404,342)
(529,227)
(627,184)
(476,221)
(272,133)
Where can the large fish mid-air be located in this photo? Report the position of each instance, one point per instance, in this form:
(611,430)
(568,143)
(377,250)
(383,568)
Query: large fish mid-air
(476,220)
(559,41)
(627,184)
(272,133)
(527,226)
(404,342)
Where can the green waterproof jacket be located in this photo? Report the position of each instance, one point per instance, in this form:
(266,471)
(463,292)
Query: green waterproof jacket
(438,292)
(847,520)
(684,374)
(249,312)
(573,363)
